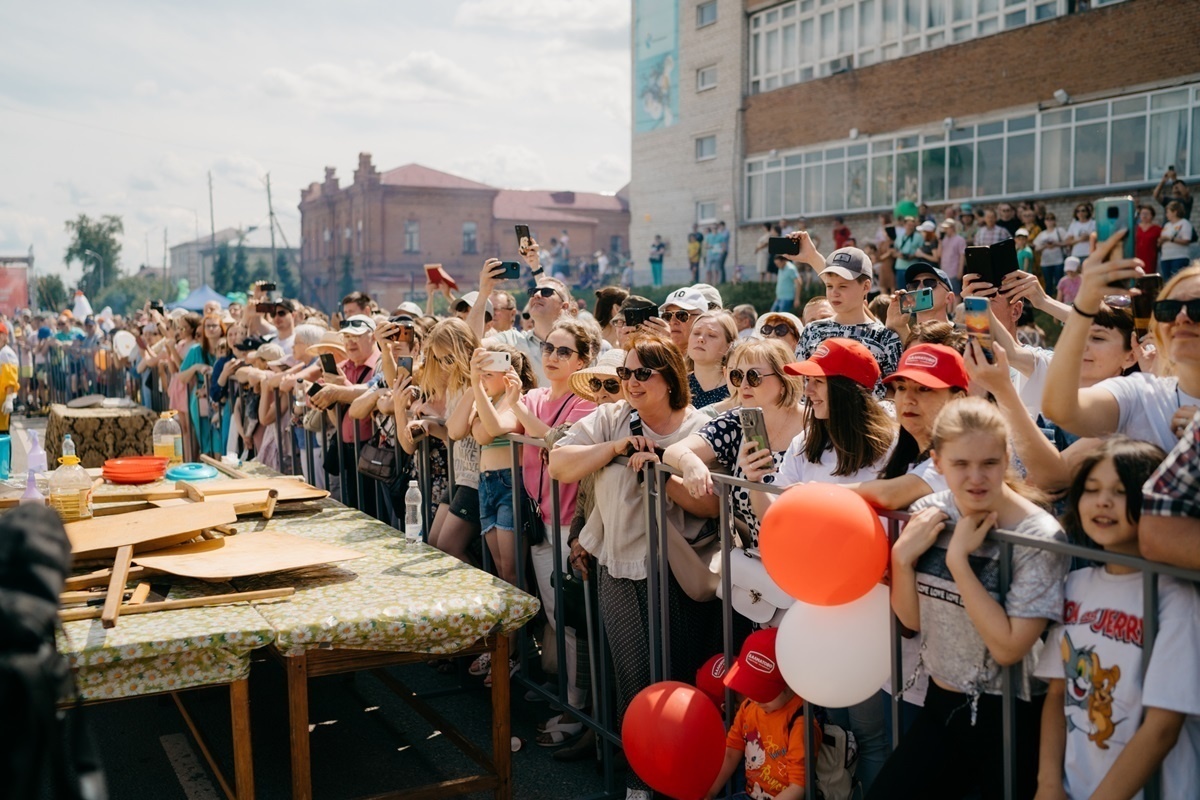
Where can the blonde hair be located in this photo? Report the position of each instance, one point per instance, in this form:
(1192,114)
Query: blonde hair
(776,355)
(1167,366)
(455,338)
(976,415)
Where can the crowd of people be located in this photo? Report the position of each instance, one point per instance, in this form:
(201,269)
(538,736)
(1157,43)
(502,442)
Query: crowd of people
(1096,442)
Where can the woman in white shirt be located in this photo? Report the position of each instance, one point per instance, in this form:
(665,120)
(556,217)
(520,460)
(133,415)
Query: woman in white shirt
(1080,231)
(1174,241)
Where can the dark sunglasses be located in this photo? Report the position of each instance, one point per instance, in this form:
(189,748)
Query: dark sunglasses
(543,291)
(1168,310)
(563,352)
(780,330)
(641,373)
(680,316)
(281,312)
(608,384)
(922,283)
(752,377)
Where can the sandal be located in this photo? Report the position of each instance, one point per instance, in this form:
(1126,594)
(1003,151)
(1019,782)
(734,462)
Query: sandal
(481,666)
(557,723)
(560,735)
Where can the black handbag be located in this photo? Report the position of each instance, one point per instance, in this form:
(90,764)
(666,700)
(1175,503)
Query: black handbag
(377,460)
(532,528)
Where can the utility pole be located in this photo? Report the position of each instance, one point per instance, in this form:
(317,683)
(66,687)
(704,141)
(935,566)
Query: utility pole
(271,219)
(212,223)
(165,299)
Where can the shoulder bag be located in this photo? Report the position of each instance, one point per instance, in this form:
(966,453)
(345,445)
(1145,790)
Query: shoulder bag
(754,594)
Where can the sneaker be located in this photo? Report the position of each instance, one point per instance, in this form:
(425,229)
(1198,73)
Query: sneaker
(637,794)
(513,666)
(481,666)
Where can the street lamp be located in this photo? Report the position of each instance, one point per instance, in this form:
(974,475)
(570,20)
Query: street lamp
(99,264)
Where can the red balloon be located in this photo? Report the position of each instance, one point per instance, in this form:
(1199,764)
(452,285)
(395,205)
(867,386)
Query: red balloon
(823,544)
(674,738)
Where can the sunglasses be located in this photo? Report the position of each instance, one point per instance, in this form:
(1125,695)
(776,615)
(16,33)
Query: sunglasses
(281,312)
(641,373)
(608,384)
(780,330)
(1168,310)
(751,376)
(922,283)
(562,352)
(543,291)
(680,316)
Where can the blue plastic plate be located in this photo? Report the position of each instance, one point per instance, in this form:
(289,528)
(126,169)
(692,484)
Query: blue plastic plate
(191,472)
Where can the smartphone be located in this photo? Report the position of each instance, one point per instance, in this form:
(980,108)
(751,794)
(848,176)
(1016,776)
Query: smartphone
(754,427)
(313,388)
(512,270)
(1117,214)
(267,286)
(405,333)
(783,246)
(979,324)
(916,302)
(978,261)
(405,363)
(637,316)
(1004,260)
(1143,304)
(156,305)
(497,362)
(328,364)
(523,238)
(264,308)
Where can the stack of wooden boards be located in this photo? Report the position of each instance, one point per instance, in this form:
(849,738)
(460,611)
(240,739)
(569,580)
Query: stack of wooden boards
(187,531)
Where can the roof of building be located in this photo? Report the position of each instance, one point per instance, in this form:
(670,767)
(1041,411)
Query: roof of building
(417,175)
(547,206)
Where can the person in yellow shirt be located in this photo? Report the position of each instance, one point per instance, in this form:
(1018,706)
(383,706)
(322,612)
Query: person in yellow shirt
(10,381)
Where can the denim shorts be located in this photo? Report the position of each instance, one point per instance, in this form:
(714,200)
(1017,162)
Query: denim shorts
(495,500)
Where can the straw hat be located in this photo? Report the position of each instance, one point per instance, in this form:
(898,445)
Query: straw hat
(331,342)
(606,367)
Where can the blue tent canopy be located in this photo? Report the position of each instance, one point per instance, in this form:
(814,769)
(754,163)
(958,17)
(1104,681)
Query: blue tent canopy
(196,300)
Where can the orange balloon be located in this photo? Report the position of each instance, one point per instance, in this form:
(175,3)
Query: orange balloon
(674,738)
(823,544)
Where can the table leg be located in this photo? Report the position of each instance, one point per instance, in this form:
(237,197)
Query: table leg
(501,723)
(243,759)
(297,688)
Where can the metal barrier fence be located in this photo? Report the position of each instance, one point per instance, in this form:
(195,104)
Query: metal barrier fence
(64,371)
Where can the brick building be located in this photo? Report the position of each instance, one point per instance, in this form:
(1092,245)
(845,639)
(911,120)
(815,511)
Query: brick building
(819,108)
(384,227)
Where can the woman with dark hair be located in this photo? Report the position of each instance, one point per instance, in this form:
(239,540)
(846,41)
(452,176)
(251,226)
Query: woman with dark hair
(654,413)
(654,325)
(608,301)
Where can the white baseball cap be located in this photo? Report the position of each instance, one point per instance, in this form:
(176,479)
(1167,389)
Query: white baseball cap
(687,298)
(1071,264)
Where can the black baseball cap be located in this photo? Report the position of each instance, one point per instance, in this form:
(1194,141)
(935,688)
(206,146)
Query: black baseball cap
(921,267)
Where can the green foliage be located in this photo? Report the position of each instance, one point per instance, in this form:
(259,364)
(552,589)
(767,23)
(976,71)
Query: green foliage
(239,276)
(261,271)
(286,277)
(220,271)
(129,294)
(51,293)
(347,280)
(94,244)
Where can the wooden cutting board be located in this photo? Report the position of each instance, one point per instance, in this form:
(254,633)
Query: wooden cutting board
(152,529)
(244,554)
(289,488)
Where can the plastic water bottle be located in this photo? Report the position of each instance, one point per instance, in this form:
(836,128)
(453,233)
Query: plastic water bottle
(68,446)
(412,513)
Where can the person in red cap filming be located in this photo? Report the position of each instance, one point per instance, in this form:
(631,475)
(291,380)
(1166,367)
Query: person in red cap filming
(768,731)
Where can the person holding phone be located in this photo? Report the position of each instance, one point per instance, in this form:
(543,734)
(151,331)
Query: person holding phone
(636,315)
(1171,188)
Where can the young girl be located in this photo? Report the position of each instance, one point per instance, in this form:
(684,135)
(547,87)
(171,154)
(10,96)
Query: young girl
(1111,719)
(712,334)
(945,585)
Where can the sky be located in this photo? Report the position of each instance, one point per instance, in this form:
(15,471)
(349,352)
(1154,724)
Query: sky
(124,107)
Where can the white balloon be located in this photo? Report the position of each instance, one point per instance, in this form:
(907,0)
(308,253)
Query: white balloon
(836,656)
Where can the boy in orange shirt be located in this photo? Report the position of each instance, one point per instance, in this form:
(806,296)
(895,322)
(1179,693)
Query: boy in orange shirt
(768,731)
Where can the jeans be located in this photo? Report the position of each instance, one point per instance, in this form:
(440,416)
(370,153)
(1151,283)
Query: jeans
(783,304)
(868,722)
(1051,275)
(1168,267)
(656,273)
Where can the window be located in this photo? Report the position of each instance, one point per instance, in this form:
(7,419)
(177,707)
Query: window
(807,39)
(706,147)
(1123,142)
(412,236)
(469,244)
(706,78)
(615,244)
(706,211)
(706,13)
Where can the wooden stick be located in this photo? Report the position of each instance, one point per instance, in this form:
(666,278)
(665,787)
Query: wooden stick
(232,472)
(97,578)
(225,530)
(116,586)
(140,594)
(81,597)
(272,499)
(73,614)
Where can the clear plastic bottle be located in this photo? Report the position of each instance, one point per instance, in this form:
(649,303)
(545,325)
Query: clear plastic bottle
(412,513)
(168,438)
(71,486)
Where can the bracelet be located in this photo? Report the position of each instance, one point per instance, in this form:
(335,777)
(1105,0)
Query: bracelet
(1083,313)
(537,271)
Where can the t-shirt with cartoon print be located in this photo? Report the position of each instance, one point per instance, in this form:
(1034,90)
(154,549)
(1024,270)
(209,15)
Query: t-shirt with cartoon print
(1097,651)
(773,744)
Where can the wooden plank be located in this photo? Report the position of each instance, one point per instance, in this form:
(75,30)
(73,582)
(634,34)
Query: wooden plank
(289,488)
(145,530)
(97,578)
(248,554)
(152,491)
(116,586)
(73,614)
(301,757)
(140,594)
(233,472)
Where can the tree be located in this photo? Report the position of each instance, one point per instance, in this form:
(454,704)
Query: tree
(129,294)
(239,279)
(261,271)
(220,271)
(94,244)
(347,275)
(51,293)
(287,278)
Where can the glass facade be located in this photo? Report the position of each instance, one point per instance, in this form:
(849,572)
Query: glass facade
(1123,141)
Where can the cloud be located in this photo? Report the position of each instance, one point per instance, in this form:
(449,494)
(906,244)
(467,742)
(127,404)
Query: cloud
(507,166)
(242,171)
(610,170)
(19,230)
(587,17)
(142,183)
(146,88)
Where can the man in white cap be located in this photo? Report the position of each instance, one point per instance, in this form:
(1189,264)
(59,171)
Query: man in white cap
(680,310)
(847,278)
(463,305)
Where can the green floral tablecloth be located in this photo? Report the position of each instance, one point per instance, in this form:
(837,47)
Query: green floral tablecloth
(167,650)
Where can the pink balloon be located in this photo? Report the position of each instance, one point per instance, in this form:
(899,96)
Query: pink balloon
(674,739)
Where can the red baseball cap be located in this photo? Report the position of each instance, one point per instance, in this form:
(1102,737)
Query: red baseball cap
(709,679)
(934,366)
(845,358)
(755,673)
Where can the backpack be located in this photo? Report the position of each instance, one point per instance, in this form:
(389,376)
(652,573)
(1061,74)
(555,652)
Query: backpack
(44,752)
(837,758)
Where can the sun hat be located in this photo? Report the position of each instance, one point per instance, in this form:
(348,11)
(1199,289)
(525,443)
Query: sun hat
(755,674)
(934,366)
(330,342)
(605,367)
(844,358)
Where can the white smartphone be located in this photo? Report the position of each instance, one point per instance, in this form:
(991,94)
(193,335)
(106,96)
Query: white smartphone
(497,362)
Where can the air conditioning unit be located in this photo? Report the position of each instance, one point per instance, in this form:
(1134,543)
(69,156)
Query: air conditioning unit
(839,65)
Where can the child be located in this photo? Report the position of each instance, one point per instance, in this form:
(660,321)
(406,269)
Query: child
(1068,286)
(945,585)
(768,731)
(1095,740)
(1024,252)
